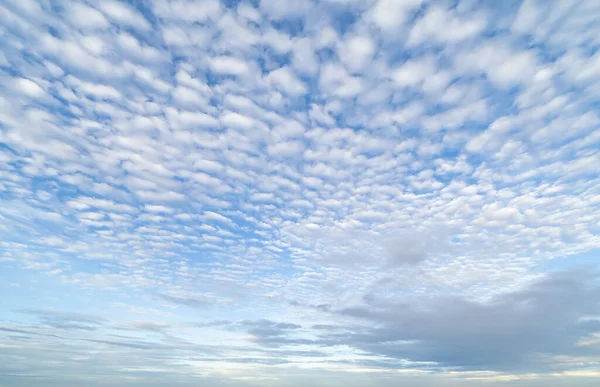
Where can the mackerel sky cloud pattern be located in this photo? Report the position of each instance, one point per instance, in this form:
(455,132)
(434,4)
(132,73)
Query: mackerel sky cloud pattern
(282,193)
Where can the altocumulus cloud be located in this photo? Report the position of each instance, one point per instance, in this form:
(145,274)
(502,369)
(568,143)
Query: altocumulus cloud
(331,192)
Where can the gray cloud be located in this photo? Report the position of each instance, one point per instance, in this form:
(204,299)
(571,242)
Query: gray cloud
(151,326)
(327,327)
(395,249)
(247,360)
(215,323)
(271,333)
(267,327)
(192,302)
(412,248)
(265,332)
(510,332)
(66,320)
(319,307)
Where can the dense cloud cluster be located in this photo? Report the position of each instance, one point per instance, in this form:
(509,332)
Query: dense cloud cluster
(274,192)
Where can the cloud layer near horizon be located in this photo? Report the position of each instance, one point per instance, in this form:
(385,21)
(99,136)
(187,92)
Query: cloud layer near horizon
(287,193)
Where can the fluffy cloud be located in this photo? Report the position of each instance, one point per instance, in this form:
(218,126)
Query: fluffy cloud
(282,193)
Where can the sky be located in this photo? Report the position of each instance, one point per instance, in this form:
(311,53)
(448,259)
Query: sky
(285,193)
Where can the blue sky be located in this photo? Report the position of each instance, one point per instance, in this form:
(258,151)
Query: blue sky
(269,193)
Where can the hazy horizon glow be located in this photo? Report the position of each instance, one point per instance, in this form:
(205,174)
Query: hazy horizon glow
(289,193)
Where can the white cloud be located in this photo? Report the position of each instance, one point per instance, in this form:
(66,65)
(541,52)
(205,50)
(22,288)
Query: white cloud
(357,52)
(188,97)
(392,14)
(289,175)
(99,90)
(327,37)
(491,138)
(445,26)
(124,14)
(527,17)
(304,59)
(133,47)
(161,196)
(238,121)
(158,208)
(189,119)
(278,41)
(286,149)
(503,66)
(229,65)
(334,79)
(213,216)
(278,10)
(284,79)
(83,203)
(53,241)
(187,11)
(85,17)
(30,88)
(209,166)
(249,12)
(413,72)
